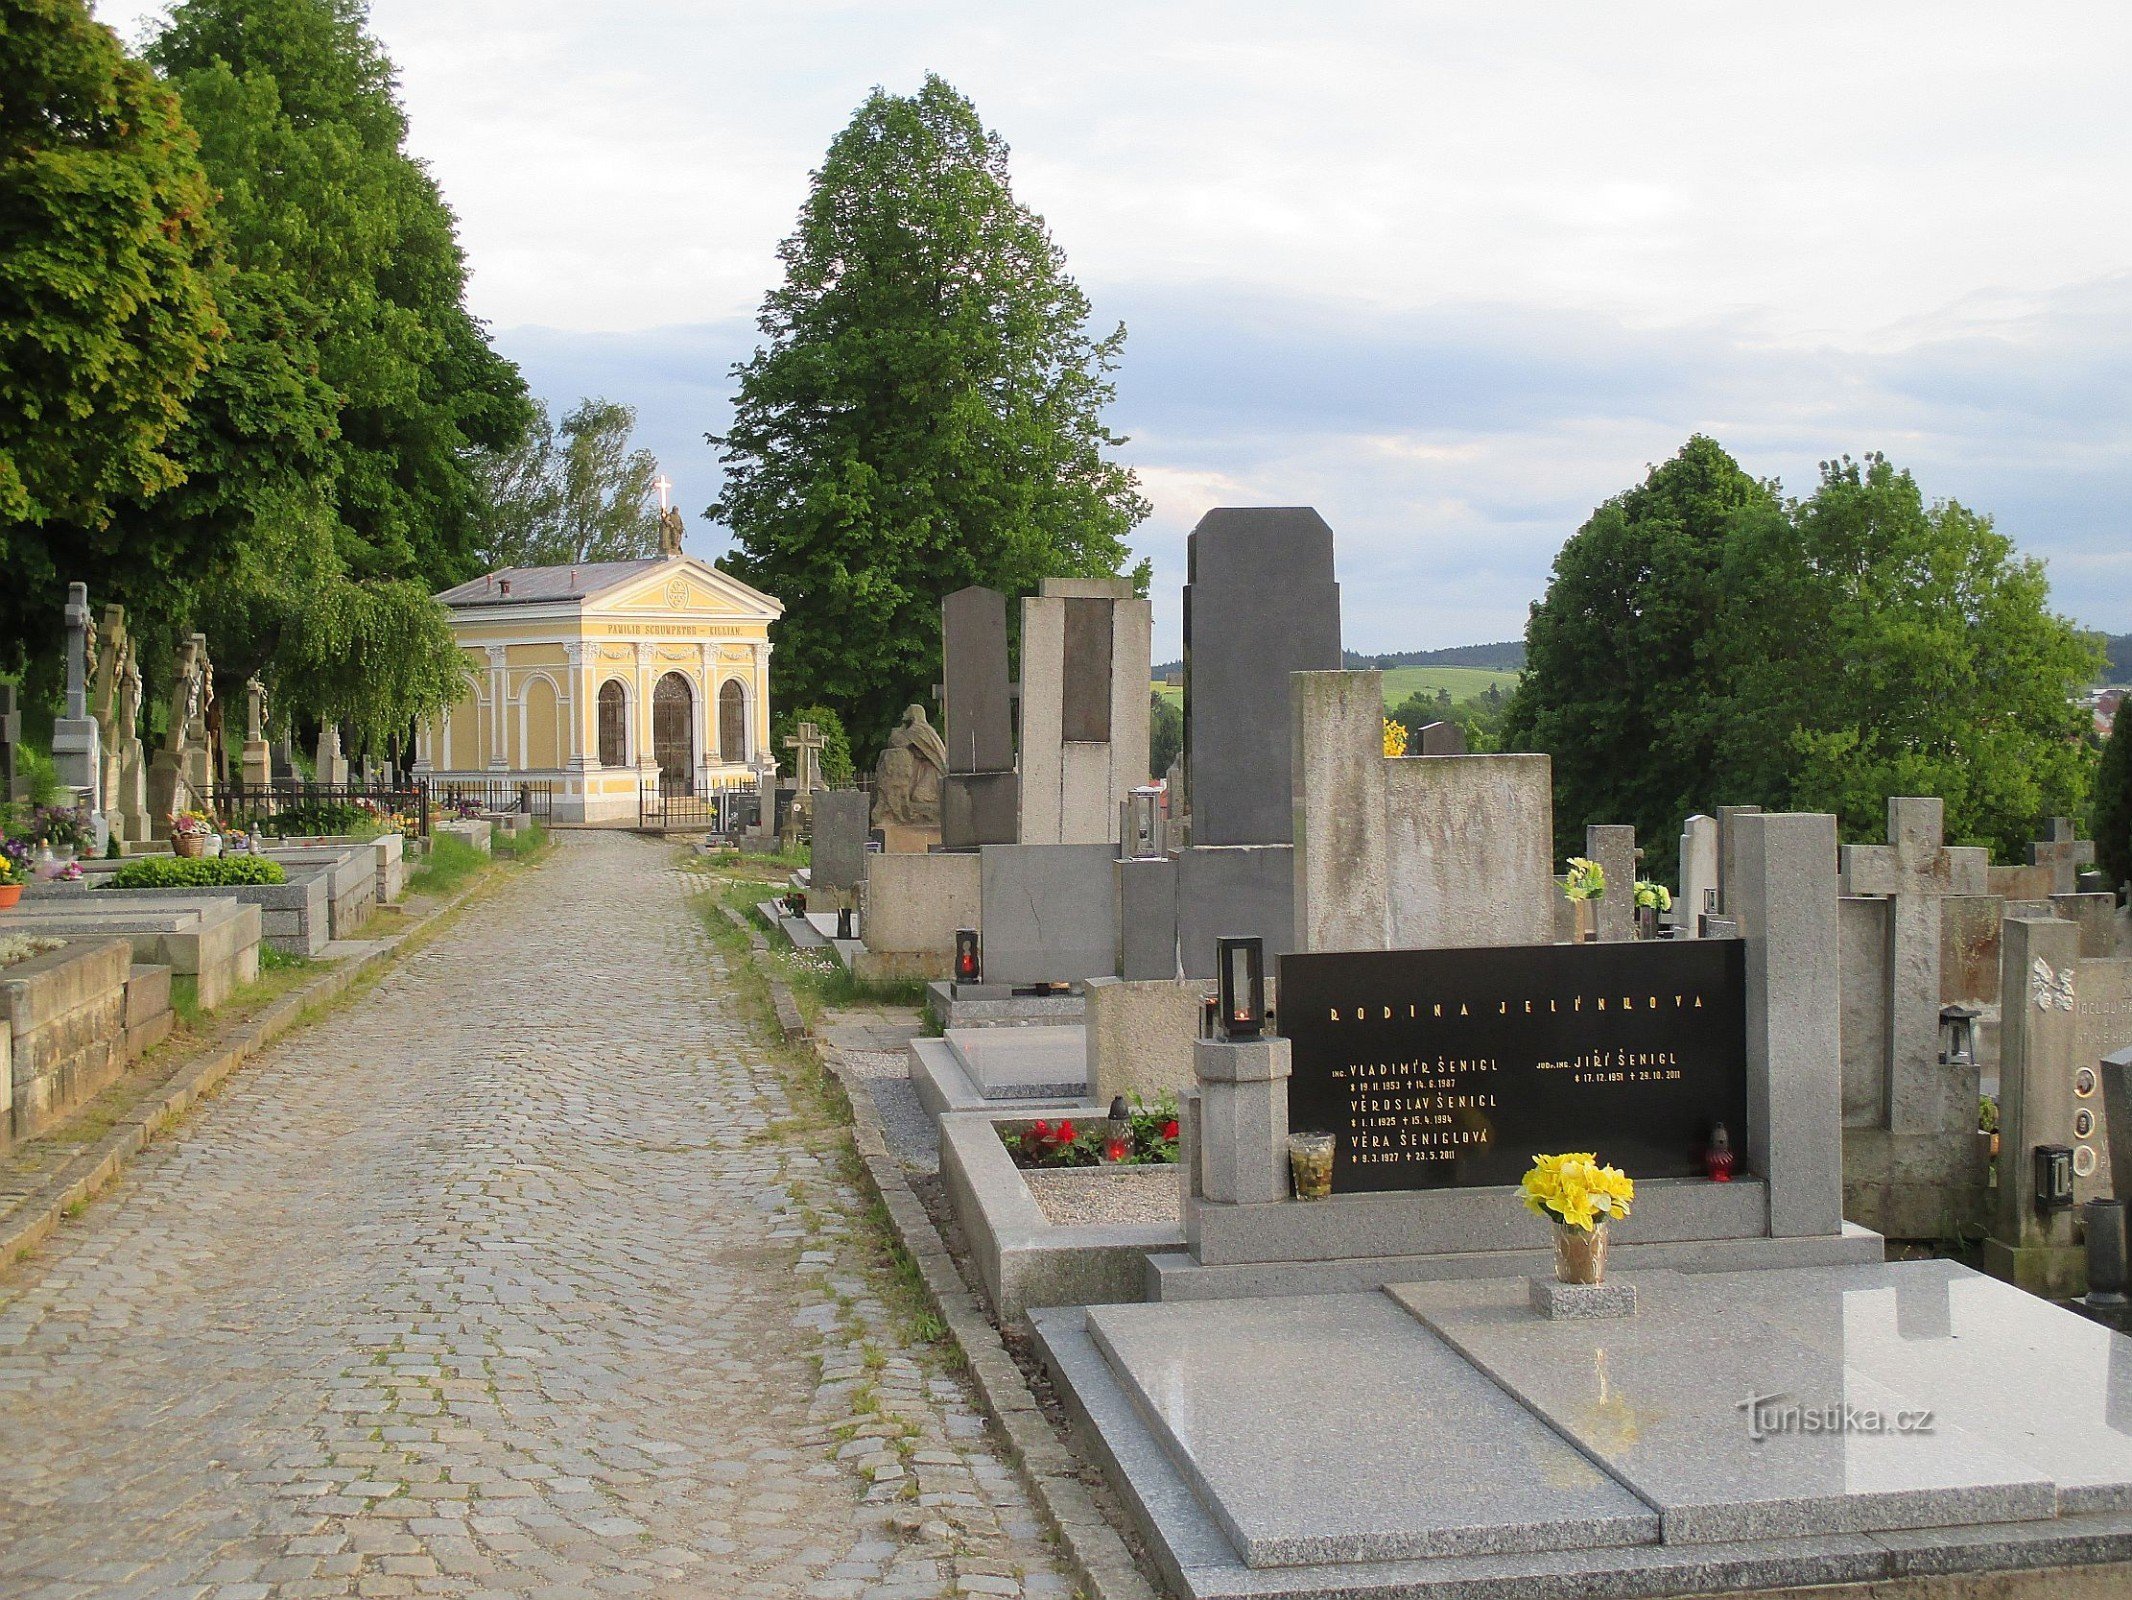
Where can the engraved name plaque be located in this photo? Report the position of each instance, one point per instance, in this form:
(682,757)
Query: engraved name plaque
(1446,1068)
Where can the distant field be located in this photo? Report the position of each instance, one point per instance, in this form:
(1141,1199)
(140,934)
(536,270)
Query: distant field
(1399,682)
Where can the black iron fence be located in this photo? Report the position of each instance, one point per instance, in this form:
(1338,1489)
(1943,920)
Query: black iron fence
(472,797)
(719,811)
(290,807)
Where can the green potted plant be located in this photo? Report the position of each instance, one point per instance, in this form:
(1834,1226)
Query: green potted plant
(1585,885)
(1652,900)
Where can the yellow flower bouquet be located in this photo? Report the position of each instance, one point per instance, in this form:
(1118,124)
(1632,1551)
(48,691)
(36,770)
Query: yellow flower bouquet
(1580,1197)
(1395,738)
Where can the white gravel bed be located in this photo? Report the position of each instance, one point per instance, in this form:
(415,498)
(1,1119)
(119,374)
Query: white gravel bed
(1077,1196)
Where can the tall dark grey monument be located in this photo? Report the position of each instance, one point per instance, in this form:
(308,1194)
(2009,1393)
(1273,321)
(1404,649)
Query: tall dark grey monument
(1260,602)
(979,801)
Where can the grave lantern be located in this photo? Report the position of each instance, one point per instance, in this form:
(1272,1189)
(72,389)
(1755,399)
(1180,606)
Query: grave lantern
(969,963)
(1958,1036)
(1240,965)
(1117,1132)
(2054,1177)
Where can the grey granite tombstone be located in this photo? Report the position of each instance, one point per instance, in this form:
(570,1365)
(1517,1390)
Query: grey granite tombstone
(1727,816)
(2116,1072)
(1260,602)
(1438,739)
(1234,891)
(840,827)
(1084,697)
(1698,875)
(1049,912)
(1781,885)
(1613,846)
(1147,917)
(2040,1095)
(979,796)
(77,748)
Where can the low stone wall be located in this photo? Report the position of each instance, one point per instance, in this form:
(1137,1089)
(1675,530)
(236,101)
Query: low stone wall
(350,873)
(474,831)
(390,849)
(66,1017)
(210,938)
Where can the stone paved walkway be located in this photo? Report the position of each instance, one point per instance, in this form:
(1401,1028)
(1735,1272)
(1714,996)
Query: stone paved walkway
(513,1277)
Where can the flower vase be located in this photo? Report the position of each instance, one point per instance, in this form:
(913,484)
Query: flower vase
(1587,921)
(1580,1253)
(1647,922)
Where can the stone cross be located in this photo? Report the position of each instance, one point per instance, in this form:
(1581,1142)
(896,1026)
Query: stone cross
(807,740)
(1614,848)
(1915,871)
(77,650)
(254,709)
(2064,855)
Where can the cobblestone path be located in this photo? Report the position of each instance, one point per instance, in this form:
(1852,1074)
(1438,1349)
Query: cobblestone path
(509,1278)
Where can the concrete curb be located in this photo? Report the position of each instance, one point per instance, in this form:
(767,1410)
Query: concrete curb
(1101,1563)
(789,1020)
(33,1218)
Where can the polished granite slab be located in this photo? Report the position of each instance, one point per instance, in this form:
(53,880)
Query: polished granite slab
(1717,1403)
(1028,1063)
(2044,1385)
(1338,1429)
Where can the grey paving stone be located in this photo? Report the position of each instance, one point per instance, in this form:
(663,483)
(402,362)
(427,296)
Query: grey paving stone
(482,1286)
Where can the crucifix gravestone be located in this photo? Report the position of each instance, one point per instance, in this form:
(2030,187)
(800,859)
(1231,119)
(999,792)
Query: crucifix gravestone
(1613,846)
(77,749)
(2063,854)
(807,741)
(332,765)
(1914,872)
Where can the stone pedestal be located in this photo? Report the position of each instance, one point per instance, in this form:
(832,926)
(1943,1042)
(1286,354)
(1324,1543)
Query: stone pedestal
(78,757)
(258,764)
(1243,1120)
(1581,1302)
(1613,846)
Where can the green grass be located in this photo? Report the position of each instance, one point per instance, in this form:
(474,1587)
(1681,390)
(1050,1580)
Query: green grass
(451,861)
(525,846)
(1400,682)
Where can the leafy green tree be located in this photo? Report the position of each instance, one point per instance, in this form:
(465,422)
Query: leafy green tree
(330,450)
(925,412)
(1165,734)
(2110,820)
(1620,687)
(107,313)
(835,758)
(1875,645)
(579,494)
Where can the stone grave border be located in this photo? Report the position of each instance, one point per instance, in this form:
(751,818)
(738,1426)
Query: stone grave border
(35,1215)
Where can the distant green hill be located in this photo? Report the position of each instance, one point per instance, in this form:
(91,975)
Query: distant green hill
(2119,646)
(1509,656)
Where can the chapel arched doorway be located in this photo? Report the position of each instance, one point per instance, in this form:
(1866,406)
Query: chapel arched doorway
(732,723)
(673,734)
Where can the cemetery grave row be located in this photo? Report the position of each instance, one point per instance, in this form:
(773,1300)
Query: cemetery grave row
(1369,1392)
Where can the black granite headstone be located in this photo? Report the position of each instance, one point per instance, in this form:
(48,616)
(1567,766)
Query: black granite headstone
(1260,602)
(978,721)
(1450,1068)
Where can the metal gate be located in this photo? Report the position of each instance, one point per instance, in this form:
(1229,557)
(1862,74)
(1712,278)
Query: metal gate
(673,734)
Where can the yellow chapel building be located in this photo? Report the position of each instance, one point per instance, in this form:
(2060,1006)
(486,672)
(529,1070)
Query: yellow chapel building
(606,678)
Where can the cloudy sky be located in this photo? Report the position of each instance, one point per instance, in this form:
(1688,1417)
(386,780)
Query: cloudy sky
(1452,273)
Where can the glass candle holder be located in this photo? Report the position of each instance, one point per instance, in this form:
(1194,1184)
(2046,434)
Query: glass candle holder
(1310,1163)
